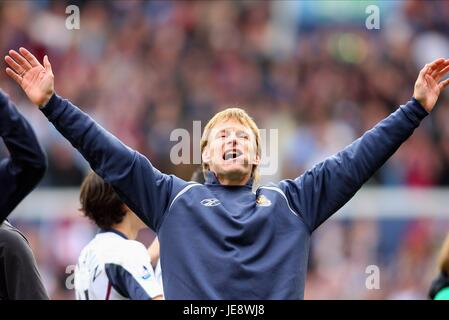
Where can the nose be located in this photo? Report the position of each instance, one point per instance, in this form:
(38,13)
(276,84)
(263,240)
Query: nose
(231,139)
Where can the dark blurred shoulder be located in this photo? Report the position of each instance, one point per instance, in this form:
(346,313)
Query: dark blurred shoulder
(11,237)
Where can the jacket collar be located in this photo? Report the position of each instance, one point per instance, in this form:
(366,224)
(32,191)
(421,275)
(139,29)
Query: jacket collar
(102,230)
(211,179)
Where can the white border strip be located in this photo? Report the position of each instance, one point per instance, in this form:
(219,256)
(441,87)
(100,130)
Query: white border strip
(187,188)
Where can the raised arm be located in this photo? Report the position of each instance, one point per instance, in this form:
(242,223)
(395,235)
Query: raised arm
(27,163)
(324,189)
(143,188)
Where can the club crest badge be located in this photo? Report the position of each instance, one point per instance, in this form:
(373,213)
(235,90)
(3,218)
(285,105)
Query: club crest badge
(263,201)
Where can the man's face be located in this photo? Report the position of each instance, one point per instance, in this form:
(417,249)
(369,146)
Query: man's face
(231,151)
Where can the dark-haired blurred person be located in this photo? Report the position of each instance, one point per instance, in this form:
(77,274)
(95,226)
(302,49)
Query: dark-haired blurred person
(113,266)
(19,174)
(439,289)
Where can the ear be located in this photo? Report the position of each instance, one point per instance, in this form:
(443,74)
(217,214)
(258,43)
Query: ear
(256,160)
(205,156)
(126,209)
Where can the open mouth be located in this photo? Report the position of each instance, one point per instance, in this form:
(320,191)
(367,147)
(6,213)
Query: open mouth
(232,154)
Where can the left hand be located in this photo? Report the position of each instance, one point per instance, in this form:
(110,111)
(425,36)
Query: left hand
(427,87)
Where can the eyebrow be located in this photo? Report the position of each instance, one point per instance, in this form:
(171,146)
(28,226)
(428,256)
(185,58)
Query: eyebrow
(239,131)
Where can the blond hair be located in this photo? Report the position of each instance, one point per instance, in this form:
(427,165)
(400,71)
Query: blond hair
(241,116)
(443,259)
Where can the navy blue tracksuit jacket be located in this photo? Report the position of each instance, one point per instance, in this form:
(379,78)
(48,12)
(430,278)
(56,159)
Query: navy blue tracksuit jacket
(27,163)
(228,242)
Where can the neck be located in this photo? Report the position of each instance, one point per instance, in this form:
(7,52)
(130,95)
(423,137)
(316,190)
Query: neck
(128,227)
(229,180)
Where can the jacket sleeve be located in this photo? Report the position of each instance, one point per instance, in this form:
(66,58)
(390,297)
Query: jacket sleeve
(323,190)
(26,165)
(142,187)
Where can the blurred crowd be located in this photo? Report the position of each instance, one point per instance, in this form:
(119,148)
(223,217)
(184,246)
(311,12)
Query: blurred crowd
(145,68)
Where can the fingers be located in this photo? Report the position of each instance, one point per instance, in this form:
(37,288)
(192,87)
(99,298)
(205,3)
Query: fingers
(14,76)
(47,65)
(434,66)
(437,69)
(442,71)
(29,57)
(20,60)
(14,65)
(443,84)
(428,68)
(424,70)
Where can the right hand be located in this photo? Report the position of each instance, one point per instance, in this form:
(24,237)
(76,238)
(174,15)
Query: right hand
(35,79)
(428,86)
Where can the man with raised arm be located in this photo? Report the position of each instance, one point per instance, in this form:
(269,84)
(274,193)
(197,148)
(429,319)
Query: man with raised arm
(26,165)
(221,240)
